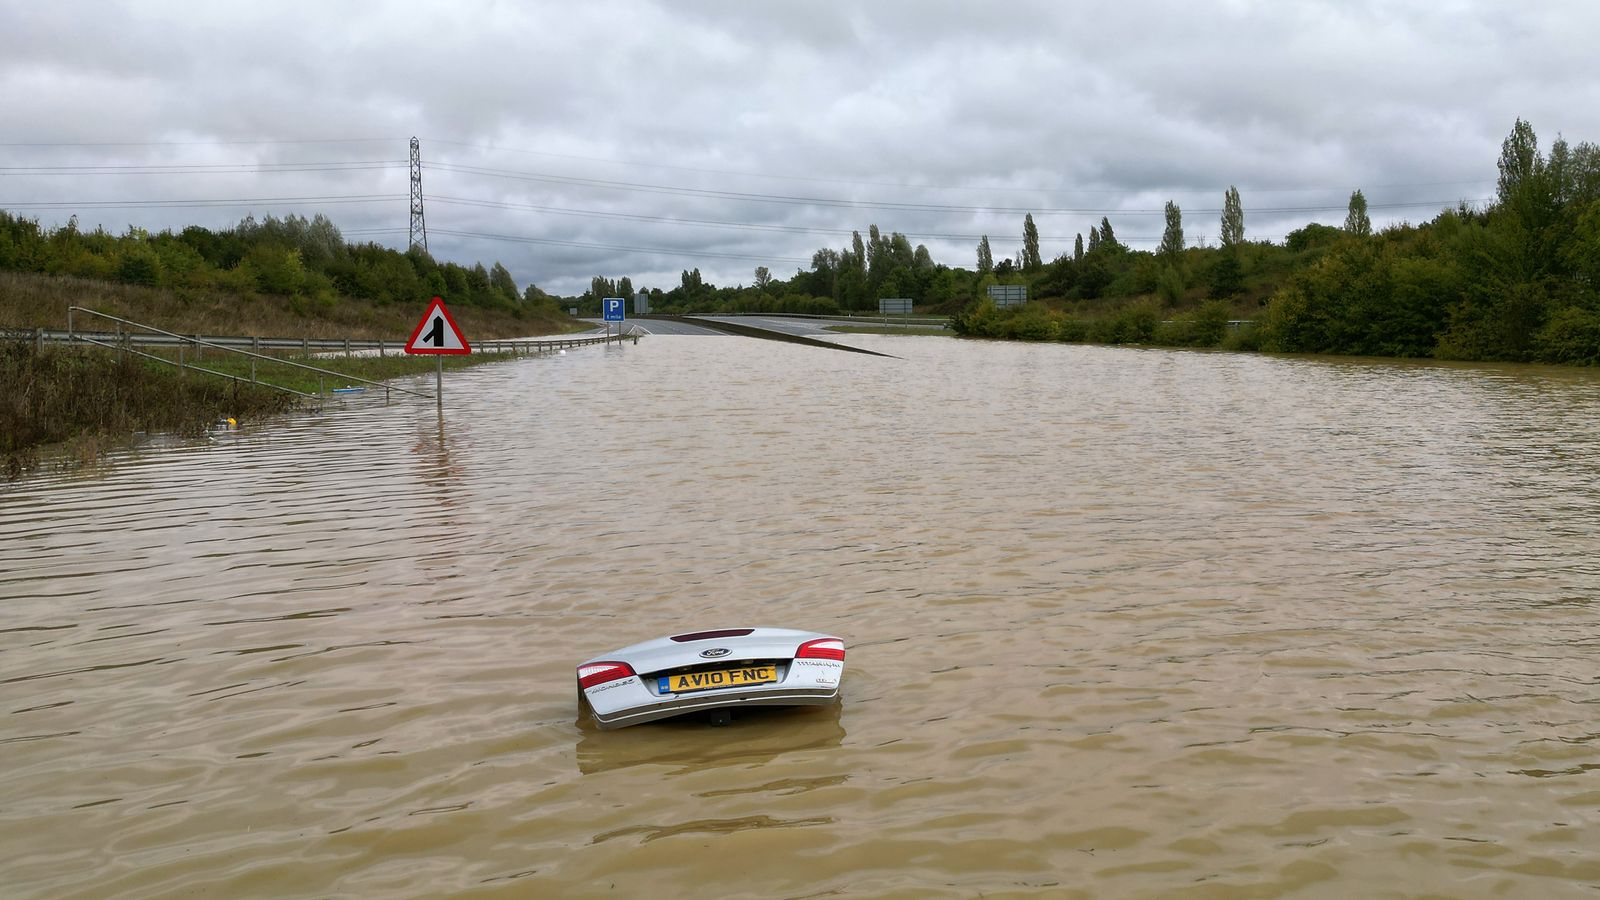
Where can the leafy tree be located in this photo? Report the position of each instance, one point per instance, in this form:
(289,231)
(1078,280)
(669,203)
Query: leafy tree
(501,281)
(1520,164)
(1030,245)
(1077,247)
(1107,237)
(763,277)
(1094,239)
(1171,248)
(1170,285)
(1232,219)
(1311,236)
(1227,276)
(985,256)
(1355,220)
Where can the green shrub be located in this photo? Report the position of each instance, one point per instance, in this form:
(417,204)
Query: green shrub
(1571,337)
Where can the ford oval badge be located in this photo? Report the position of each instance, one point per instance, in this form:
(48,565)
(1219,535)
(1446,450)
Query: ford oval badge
(714,652)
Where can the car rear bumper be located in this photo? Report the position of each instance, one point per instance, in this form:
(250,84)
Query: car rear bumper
(662,708)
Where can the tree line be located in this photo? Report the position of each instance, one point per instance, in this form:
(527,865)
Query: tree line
(1517,280)
(307,260)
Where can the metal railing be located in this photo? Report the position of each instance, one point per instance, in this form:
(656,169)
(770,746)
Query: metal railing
(124,344)
(349,346)
(151,336)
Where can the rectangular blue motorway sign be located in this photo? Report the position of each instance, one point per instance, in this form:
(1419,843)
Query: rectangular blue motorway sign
(613,309)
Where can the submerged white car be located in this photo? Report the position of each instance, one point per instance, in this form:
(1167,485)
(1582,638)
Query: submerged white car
(711,671)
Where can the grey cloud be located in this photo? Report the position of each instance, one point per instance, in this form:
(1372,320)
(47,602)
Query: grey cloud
(1114,107)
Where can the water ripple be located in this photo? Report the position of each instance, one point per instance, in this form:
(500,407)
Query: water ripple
(1121,623)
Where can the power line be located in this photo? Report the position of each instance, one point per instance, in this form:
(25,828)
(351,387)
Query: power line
(710,223)
(907,186)
(197,203)
(206,168)
(890,205)
(665,251)
(201,143)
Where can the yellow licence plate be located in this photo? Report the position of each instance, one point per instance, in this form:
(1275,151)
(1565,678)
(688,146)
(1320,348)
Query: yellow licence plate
(721,678)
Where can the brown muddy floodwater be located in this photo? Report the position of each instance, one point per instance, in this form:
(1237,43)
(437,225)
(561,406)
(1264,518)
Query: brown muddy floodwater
(1121,623)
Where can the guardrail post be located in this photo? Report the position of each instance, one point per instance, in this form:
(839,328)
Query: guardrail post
(180,357)
(346,348)
(305,346)
(380,356)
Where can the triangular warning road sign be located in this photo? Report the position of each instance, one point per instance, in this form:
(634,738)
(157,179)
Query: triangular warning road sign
(437,333)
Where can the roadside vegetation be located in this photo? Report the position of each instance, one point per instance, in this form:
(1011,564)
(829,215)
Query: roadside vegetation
(298,266)
(289,277)
(1517,280)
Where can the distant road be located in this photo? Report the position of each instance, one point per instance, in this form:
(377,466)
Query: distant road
(662,327)
(805,327)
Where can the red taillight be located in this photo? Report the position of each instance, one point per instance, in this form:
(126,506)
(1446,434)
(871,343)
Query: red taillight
(822,648)
(602,672)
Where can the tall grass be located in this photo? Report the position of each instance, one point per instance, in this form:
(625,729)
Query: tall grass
(90,398)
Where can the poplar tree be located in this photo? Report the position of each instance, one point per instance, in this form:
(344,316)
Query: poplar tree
(1077,248)
(985,256)
(1094,239)
(1356,221)
(1030,245)
(1172,239)
(1107,236)
(1232,219)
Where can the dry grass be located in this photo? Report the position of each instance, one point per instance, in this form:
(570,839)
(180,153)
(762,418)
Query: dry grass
(29,300)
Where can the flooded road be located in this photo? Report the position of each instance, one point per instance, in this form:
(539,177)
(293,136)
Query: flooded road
(1121,623)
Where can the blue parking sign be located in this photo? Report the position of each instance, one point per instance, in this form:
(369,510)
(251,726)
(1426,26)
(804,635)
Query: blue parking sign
(613,309)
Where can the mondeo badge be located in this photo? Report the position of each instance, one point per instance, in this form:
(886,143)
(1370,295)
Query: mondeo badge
(714,652)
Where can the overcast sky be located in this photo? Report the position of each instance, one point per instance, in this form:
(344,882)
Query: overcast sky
(599,138)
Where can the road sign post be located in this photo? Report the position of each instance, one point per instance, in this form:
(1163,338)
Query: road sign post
(438,335)
(615,311)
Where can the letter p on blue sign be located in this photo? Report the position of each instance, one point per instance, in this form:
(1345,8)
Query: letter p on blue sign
(613,309)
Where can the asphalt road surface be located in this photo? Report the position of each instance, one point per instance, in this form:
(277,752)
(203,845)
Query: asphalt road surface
(657,326)
(804,327)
